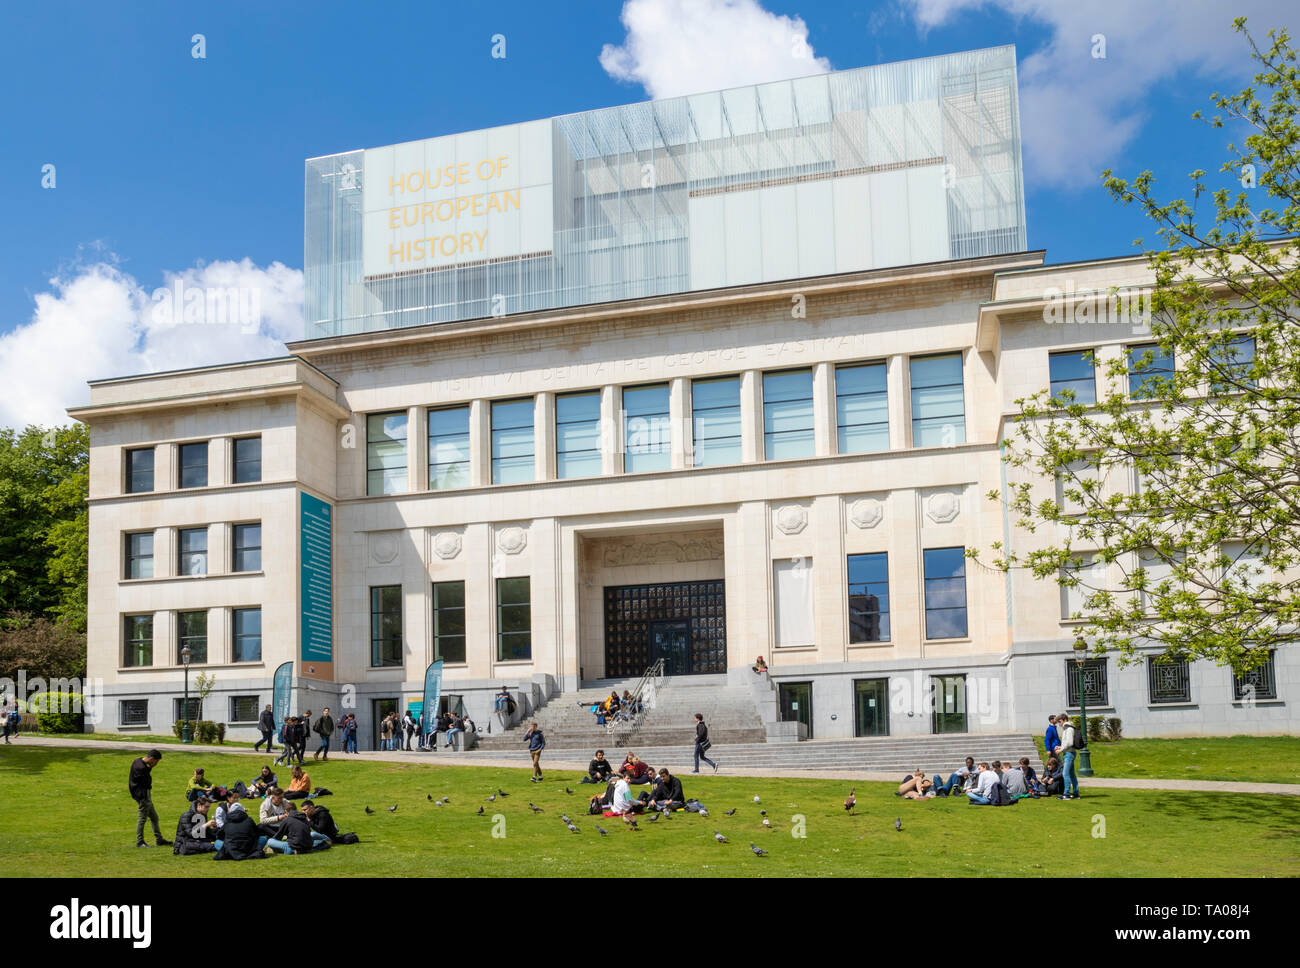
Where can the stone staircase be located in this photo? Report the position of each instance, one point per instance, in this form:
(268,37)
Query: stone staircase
(730,711)
(899,755)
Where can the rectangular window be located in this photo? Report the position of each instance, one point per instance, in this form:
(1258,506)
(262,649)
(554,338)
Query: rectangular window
(1159,572)
(192,551)
(195,709)
(647,429)
(247,547)
(448,448)
(513,455)
(1232,364)
(138,641)
(1073,376)
(193,465)
(1095,689)
(577,435)
(1091,577)
(449,621)
(139,554)
(248,460)
(386,626)
(788,415)
(386,453)
(792,587)
(945,593)
(139,471)
(1168,680)
(1074,493)
(133,712)
(938,401)
(1149,365)
(715,414)
(861,408)
(244,709)
(247,625)
(192,631)
(514,620)
(1258,683)
(869,598)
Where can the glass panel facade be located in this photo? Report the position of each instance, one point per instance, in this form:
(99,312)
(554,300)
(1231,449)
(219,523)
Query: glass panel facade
(945,593)
(139,470)
(683,623)
(248,460)
(869,598)
(247,547)
(715,418)
(247,643)
(193,465)
(1073,376)
(664,196)
(513,456)
(938,401)
(192,551)
(514,620)
(192,631)
(1148,366)
(861,408)
(647,429)
(788,415)
(386,625)
(386,453)
(139,555)
(138,639)
(449,621)
(448,448)
(577,434)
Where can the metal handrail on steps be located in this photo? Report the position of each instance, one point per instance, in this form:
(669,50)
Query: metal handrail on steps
(644,698)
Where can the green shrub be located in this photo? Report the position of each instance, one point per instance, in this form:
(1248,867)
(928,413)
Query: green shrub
(221,732)
(50,718)
(1097,729)
(1114,729)
(178,727)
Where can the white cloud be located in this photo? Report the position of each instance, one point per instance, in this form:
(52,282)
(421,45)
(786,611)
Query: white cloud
(1079,112)
(676,47)
(97,321)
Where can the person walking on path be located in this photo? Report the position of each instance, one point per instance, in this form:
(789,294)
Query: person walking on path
(266,723)
(324,729)
(1070,744)
(140,786)
(536,743)
(304,734)
(702,744)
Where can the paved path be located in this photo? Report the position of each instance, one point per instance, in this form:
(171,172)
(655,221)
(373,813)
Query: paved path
(443,758)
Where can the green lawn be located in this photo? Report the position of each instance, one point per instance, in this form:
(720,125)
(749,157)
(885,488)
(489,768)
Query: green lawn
(1262,759)
(169,739)
(66,812)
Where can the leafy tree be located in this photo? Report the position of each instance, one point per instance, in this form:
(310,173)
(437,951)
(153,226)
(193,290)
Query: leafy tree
(1199,560)
(40,647)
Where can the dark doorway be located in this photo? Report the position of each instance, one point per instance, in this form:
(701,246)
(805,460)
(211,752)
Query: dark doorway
(796,703)
(684,623)
(871,707)
(949,704)
(379,708)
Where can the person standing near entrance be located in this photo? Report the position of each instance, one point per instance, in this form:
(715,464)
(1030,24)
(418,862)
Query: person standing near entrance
(536,743)
(266,724)
(702,744)
(140,785)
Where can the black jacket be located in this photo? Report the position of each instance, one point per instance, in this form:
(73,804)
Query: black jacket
(701,732)
(141,779)
(323,823)
(187,842)
(599,769)
(239,838)
(325,726)
(266,721)
(671,790)
(296,832)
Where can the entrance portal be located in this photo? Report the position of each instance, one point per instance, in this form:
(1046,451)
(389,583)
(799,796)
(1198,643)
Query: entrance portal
(683,623)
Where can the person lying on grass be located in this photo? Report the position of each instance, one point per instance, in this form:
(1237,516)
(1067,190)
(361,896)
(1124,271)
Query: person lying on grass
(916,786)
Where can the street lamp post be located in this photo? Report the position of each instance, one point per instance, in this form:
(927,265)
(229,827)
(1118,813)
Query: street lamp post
(1085,757)
(187,735)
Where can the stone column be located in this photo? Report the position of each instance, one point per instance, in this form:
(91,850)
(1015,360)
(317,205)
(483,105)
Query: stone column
(480,442)
(611,430)
(899,402)
(679,413)
(417,450)
(544,436)
(751,416)
(824,428)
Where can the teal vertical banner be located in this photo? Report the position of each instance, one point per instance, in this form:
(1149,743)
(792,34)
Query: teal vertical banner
(283,682)
(316,585)
(432,695)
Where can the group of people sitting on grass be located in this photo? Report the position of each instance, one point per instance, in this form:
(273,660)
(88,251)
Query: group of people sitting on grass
(665,791)
(218,823)
(985,783)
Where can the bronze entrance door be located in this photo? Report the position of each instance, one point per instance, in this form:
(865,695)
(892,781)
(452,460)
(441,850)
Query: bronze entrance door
(684,623)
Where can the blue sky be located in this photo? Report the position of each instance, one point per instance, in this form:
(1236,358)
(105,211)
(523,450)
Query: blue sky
(166,163)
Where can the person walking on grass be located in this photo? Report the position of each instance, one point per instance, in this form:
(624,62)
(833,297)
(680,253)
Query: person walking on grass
(324,729)
(266,725)
(140,786)
(536,743)
(702,744)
